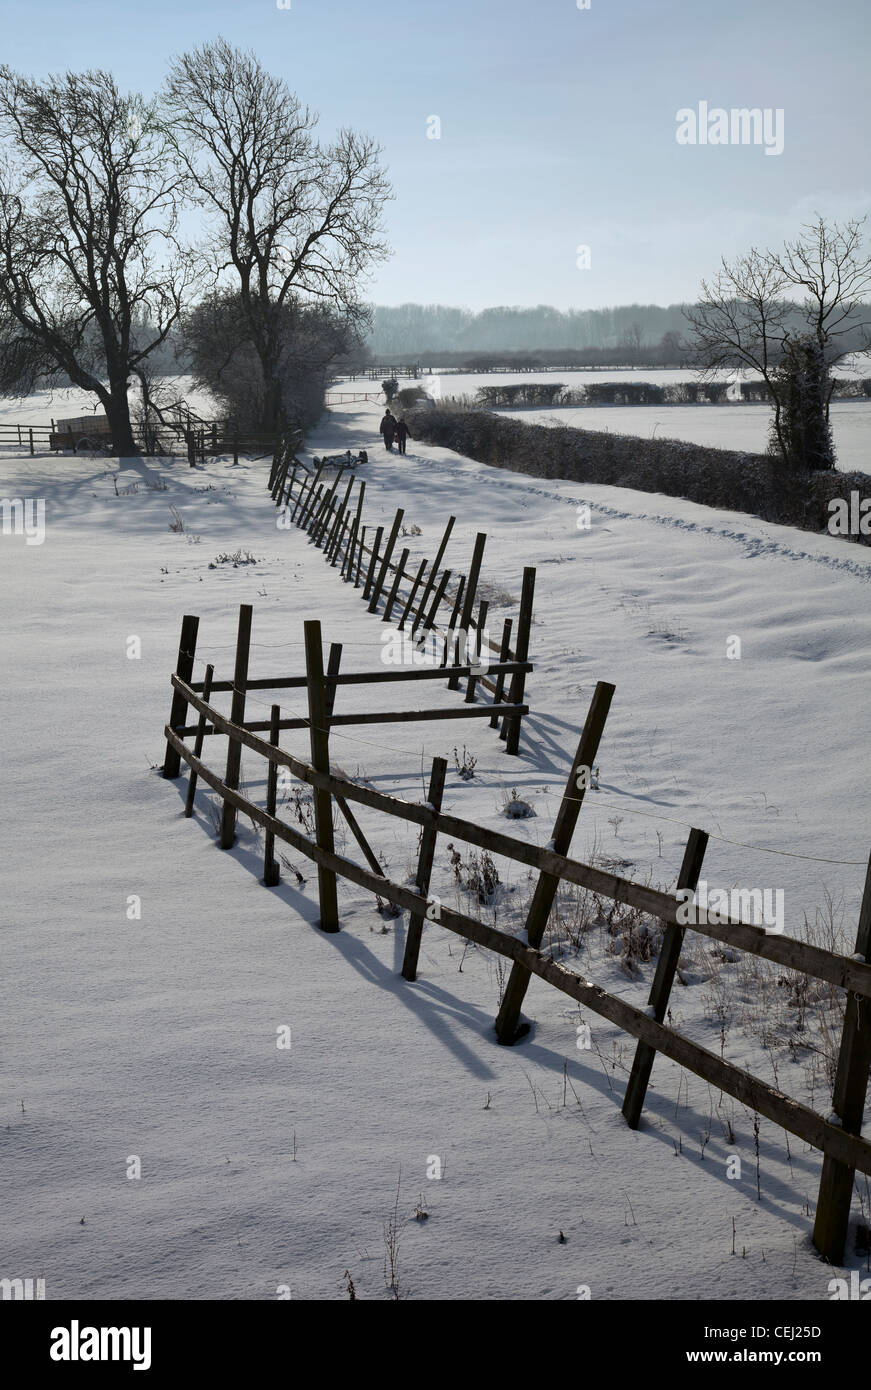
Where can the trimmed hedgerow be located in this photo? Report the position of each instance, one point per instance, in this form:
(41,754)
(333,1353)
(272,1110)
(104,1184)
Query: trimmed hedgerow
(759,484)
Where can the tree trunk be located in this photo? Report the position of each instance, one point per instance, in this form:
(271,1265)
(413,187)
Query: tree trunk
(118,412)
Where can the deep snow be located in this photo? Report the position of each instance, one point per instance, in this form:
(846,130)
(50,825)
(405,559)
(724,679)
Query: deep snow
(156,1037)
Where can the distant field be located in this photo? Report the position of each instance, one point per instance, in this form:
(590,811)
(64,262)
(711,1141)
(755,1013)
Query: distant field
(743,427)
(440,385)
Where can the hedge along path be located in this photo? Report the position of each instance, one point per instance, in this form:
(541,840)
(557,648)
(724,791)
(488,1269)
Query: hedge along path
(841,1145)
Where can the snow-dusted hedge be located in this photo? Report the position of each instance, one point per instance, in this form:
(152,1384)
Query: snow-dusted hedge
(754,483)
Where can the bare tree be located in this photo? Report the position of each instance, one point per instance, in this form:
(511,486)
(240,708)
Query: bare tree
(632,341)
(92,275)
(290,216)
(311,339)
(790,316)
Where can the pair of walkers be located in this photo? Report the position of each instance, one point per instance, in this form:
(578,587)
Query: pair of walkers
(391,428)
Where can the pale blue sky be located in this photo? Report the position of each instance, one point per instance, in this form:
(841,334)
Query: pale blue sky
(557,124)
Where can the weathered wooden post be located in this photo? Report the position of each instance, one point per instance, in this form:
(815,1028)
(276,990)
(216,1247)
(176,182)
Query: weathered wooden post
(336,545)
(511,726)
(430,618)
(424,869)
(285,501)
(271,871)
(311,508)
(305,493)
(341,515)
(373,561)
(508,1019)
(348,562)
(409,602)
(184,669)
(848,1102)
(320,756)
(458,599)
(469,601)
(388,555)
(397,578)
(361,547)
(198,743)
(237,716)
(433,574)
(326,511)
(666,968)
(310,494)
(483,609)
(504,655)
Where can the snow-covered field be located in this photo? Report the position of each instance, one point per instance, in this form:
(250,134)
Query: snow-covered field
(155,1037)
(738,426)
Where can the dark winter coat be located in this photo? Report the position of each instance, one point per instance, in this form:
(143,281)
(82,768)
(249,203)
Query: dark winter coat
(387,427)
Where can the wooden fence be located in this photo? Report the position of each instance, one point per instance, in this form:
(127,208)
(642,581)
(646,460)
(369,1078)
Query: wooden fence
(351,397)
(334,521)
(189,436)
(31,437)
(839,1139)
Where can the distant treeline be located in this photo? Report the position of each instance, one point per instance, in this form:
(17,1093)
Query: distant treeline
(628,334)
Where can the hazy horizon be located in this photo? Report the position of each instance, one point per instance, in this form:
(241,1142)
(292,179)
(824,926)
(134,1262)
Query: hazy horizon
(557,127)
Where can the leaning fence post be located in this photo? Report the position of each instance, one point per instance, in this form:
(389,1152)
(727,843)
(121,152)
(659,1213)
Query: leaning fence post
(430,619)
(184,669)
(848,1102)
(483,609)
(320,755)
(504,656)
(331,550)
(469,601)
(397,579)
(284,501)
(388,554)
(348,562)
(237,716)
(508,1019)
(373,561)
(271,871)
(433,575)
(409,602)
(198,743)
(325,514)
(331,686)
(424,868)
(461,584)
(666,968)
(336,547)
(360,548)
(511,725)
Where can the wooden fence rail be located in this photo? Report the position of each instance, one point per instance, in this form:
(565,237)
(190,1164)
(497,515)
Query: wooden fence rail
(845,1151)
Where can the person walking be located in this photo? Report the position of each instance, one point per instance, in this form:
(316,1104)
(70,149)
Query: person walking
(401,435)
(388,429)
